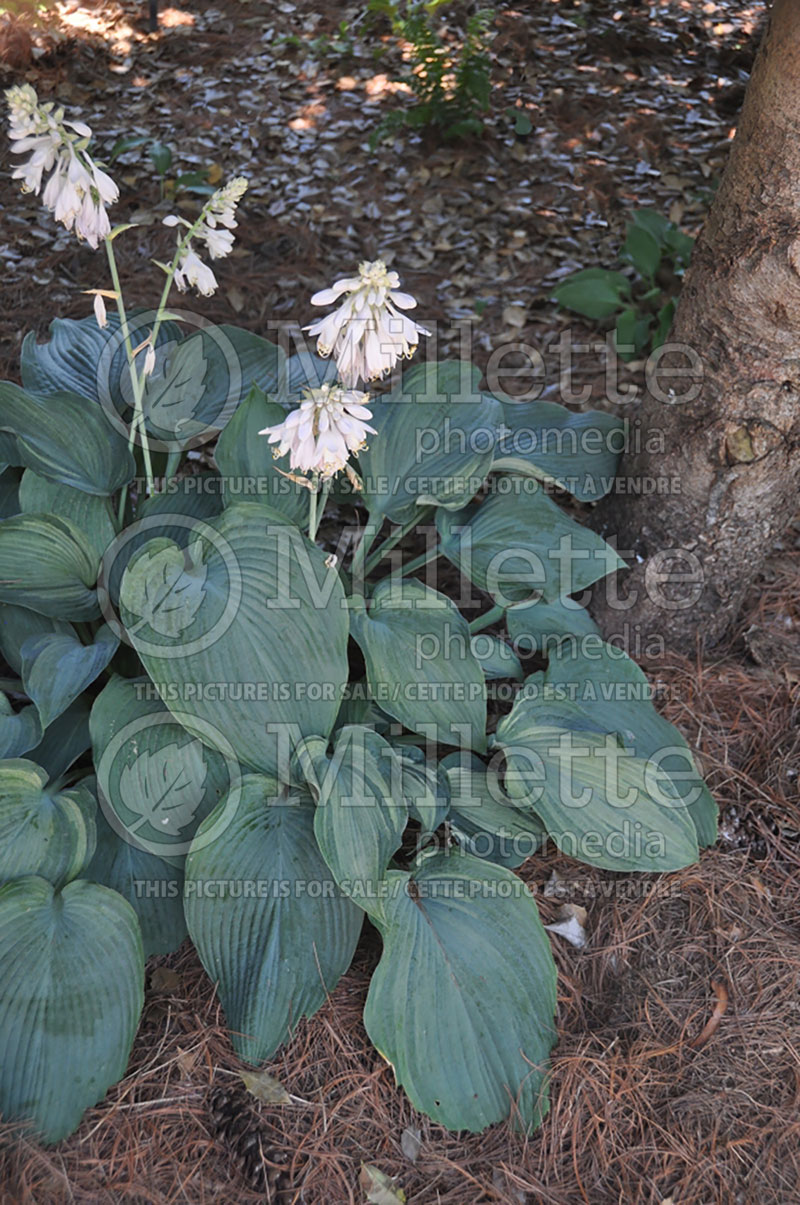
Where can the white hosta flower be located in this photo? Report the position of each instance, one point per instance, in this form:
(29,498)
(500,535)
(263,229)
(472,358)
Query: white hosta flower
(149,361)
(78,191)
(328,426)
(367,334)
(192,271)
(100,310)
(219,242)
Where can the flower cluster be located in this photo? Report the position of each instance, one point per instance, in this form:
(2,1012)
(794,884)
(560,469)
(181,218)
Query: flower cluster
(213,228)
(320,435)
(77,190)
(367,334)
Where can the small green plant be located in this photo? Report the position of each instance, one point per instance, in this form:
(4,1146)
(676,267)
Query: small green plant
(659,252)
(160,155)
(336,46)
(451,81)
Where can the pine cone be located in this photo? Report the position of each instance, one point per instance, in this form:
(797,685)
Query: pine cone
(237,1124)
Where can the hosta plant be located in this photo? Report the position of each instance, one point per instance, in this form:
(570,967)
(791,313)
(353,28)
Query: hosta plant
(216,722)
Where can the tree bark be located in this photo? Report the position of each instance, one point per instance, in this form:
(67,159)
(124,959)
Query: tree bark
(722,452)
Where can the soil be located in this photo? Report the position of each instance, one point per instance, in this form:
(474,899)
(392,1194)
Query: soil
(676,1080)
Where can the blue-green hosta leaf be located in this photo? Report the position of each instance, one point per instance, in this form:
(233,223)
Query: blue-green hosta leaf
(579,451)
(156,782)
(18,624)
(249,470)
(195,496)
(91,513)
(56,668)
(48,565)
(610,690)
(263,661)
(435,443)
(599,803)
(42,832)
(513,547)
(252,361)
(82,359)
(200,380)
(71,993)
(278,940)
(496,658)
(484,818)
(305,370)
(462,1001)
(20,731)
(361,811)
(64,740)
(426,789)
(176,514)
(539,626)
(175,393)
(65,438)
(167,590)
(420,666)
(152,887)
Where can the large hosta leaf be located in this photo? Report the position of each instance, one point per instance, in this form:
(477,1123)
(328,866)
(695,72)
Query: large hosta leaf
(435,442)
(361,810)
(420,665)
(270,925)
(156,781)
(56,668)
(249,626)
(579,451)
(90,512)
(539,626)
(612,692)
(426,789)
(82,359)
(598,802)
(47,565)
(249,470)
(200,380)
(71,993)
(64,740)
(65,438)
(484,818)
(20,731)
(18,624)
(42,832)
(462,1001)
(152,887)
(512,546)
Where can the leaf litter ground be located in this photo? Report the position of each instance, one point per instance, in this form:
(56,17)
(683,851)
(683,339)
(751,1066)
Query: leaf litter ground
(676,1078)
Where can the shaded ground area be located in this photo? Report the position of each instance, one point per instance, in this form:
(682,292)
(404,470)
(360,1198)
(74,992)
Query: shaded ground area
(677,1078)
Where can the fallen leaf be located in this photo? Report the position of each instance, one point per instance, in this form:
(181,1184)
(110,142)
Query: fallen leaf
(164,980)
(569,924)
(411,1144)
(265,1087)
(379,1187)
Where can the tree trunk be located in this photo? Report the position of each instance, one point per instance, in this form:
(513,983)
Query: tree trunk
(721,453)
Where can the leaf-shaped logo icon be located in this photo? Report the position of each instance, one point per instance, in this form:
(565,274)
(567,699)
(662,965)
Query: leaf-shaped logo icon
(173,395)
(165,589)
(165,788)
